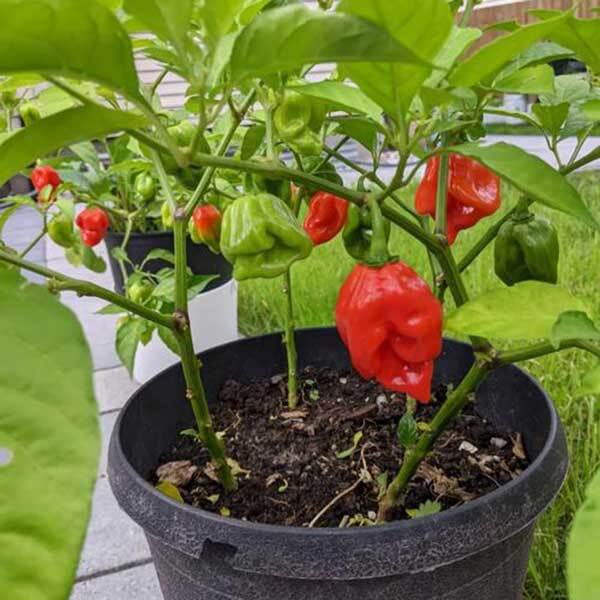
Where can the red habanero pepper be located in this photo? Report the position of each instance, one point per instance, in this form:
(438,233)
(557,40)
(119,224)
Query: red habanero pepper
(391,324)
(207,222)
(44,176)
(326,217)
(389,319)
(473,193)
(93,224)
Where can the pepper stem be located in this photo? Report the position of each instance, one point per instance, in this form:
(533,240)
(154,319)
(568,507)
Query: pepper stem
(441,200)
(378,251)
(289,339)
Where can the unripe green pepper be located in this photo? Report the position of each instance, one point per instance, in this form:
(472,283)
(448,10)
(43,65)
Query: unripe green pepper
(298,123)
(61,232)
(261,237)
(258,182)
(358,233)
(145,187)
(29,113)
(166,215)
(140,291)
(527,248)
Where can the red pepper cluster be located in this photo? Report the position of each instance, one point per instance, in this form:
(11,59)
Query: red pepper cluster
(45,180)
(391,323)
(326,217)
(473,193)
(93,224)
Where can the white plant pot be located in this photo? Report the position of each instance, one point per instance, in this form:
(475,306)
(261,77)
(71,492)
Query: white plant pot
(213,318)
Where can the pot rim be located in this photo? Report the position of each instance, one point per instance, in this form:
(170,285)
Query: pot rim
(407,525)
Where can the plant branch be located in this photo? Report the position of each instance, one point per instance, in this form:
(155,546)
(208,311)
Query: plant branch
(60,282)
(542,349)
(451,408)
(441,227)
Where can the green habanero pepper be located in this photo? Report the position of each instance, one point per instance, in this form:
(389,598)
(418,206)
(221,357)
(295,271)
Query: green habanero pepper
(145,187)
(527,248)
(140,291)
(29,112)
(357,233)
(166,215)
(298,123)
(260,183)
(261,237)
(61,232)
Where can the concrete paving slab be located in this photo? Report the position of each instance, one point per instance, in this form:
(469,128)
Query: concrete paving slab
(139,583)
(113,539)
(113,388)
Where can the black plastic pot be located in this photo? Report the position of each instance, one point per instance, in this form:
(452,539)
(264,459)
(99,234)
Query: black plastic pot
(478,551)
(200,259)
(18,185)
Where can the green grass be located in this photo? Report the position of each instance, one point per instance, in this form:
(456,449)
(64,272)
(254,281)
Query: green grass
(316,282)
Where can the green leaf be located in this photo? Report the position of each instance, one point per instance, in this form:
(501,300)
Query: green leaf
(48,429)
(591,109)
(5,215)
(14,83)
(525,311)
(341,96)
(425,509)
(60,130)
(168,489)
(86,151)
(583,575)
(110,309)
(530,80)
(423,25)
(129,335)
(169,19)
(92,261)
(534,177)
(250,9)
(159,254)
(590,385)
(58,37)
(168,338)
(252,140)
(541,53)
(581,35)
(573,325)
(358,436)
(458,41)
(197,284)
(364,131)
(493,56)
(218,17)
(284,39)
(119,254)
(407,432)
(551,116)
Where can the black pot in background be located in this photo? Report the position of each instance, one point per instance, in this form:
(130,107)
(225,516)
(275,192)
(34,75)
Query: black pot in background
(478,551)
(200,259)
(17,186)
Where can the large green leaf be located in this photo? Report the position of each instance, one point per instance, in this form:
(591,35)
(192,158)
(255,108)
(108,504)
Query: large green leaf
(217,17)
(530,174)
(168,19)
(529,80)
(67,38)
(583,574)
(60,130)
(365,131)
(284,39)
(49,442)
(423,26)
(581,35)
(541,53)
(574,325)
(525,311)
(342,96)
(551,116)
(492,57)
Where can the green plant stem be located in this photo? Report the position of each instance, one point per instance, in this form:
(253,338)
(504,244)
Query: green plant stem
(467,13)
(584,160)
(542,349)
(128,229)
(451,408)
(208,174)
(290,341)
(38,238)
(441,213)
(59,282)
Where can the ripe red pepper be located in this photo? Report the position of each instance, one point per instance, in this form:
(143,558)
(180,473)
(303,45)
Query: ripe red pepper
(473,193)
(41,177)
(93,224)
(326,217)
(391,323)
(207,221)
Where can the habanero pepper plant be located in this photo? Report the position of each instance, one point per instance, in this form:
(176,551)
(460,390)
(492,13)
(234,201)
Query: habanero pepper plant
(412,76)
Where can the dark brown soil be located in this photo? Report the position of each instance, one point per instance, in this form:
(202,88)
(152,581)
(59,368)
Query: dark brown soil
(293,461)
